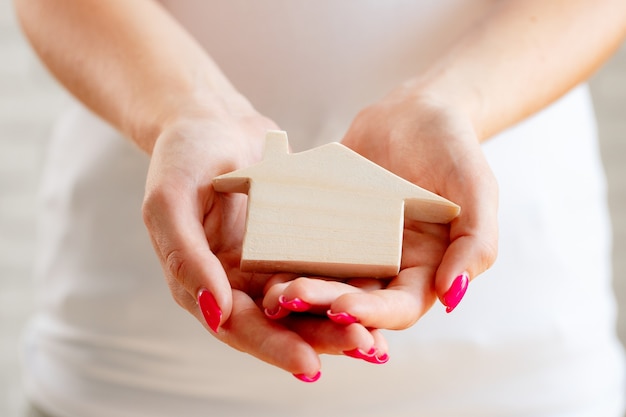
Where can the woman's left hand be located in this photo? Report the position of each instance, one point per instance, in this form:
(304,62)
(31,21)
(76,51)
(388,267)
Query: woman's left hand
(429,142)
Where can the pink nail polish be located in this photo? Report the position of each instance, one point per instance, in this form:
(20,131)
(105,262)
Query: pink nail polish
(455,294)
(210,310)
(342,318)
(277,313)
(370,356)
(384,358)
(305,378)
(294,305)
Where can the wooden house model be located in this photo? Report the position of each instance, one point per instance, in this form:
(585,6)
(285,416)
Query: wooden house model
(327,211)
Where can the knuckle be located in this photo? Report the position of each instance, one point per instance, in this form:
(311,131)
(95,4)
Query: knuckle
(176,266)
(180,295)
(490,253)
(146,214)
(408,319)
(148,209)
(153,200)
(300,287)
(487,256)
(300,284)
(157,201)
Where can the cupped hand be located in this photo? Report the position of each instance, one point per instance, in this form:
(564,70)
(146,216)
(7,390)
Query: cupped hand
(434,145)
(197,235)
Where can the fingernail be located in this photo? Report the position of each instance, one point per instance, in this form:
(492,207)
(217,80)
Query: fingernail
(455,294)
(305,378)
(384,358)
(342,318)
(210,310)
(371,356)
(294,305)
(277,313)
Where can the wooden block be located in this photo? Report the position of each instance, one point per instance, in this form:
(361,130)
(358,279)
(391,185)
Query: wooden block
(327,211)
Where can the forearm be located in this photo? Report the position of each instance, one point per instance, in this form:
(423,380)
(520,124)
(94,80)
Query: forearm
(128,61)
(522,56)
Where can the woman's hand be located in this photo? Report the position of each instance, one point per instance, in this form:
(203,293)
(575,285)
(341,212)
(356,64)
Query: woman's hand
(197,234)
(430,143)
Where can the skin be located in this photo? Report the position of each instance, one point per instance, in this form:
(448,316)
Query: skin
(151,80)
(477,89)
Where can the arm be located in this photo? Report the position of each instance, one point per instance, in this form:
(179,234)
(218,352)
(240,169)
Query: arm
(133,65)
(128,61)
(518,59)
(521,56)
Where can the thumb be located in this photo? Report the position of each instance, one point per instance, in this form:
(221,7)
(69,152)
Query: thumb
(465,259)
(194,274)
(473,249)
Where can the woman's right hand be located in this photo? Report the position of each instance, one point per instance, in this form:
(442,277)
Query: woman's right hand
(198,233)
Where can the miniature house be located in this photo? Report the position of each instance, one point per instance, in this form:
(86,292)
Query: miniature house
(327,211)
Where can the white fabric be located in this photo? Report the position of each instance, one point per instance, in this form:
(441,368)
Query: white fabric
(534,336)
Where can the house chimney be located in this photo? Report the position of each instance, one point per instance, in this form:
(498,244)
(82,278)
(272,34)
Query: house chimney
(276,144)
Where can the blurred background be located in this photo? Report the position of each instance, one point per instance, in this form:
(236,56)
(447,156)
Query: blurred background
(30,102)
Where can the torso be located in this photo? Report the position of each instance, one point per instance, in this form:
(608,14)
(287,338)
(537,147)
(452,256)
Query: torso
(519,341)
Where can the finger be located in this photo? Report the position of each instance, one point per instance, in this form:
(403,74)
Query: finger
(399,306)
(271,304)
(466,258)
(379,341)
(354,340)
(175,225)
(473,245)
(248,330)
(326,336)
(314,295)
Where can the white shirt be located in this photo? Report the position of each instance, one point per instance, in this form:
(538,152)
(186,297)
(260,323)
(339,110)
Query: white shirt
(534,336)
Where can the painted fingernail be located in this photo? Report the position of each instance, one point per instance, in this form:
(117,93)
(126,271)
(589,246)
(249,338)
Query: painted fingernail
(274,314)
(295,304)
(371,356)
(306,378)
(342,318)
(384,358)
(455,294)
(210,310)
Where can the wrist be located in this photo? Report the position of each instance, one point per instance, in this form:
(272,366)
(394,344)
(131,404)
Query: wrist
(444,92)
(209,107)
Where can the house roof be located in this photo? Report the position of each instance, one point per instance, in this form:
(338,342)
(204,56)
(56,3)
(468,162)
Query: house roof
(335,166)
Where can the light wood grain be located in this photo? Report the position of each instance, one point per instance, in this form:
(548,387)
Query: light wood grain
(327,211)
